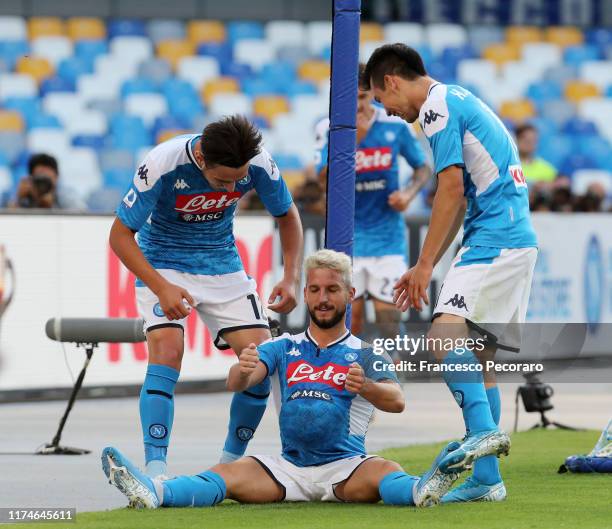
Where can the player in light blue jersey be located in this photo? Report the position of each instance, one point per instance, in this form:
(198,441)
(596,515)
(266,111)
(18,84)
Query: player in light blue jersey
(181,204)
(329,383)
(480,184)
(380,249)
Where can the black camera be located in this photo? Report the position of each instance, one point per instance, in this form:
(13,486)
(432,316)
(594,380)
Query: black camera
(536,394)
(42,183)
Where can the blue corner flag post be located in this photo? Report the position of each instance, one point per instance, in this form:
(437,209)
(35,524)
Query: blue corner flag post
(339,225)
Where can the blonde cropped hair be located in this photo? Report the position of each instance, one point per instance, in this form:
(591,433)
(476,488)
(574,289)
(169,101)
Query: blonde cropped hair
(331,260)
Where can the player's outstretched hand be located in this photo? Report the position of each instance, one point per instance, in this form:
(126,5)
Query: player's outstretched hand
(248,360)
(285,290)
(411,288)
(355,378)
(175,301)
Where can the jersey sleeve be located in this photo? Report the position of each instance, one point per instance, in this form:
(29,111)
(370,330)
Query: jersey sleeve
(321,144)
(410,148)
(443,127)
(377,367)
(271,352)
(142,195)
(269,184)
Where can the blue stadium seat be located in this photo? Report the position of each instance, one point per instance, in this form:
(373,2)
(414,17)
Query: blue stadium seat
(119,27)
(576,55)
(89,50)
(426,53)
(138,86)
(220,51)
(441,72)
(260,122)
(11,50)
(156,70)
(545,127)
(56,84)
(558,110)
(281,72)
(293,54)
(599,36)
(118,178)
(555,149)
(236,70)
(129,132)
(297,88)
(185,109)
(238,30)
(257,86)
(174,87)
(92,141)
(28,107)
(165,29)
(44,121)
(576,161)
(12,144)
(598,149)
(544,91)
(104,200)
(580,127)
(110,158)
(452,56)
(169,123)
(72,68)
(288,161)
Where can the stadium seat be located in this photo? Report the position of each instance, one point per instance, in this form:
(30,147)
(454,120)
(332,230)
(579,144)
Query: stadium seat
(174,50)
(228,104)
(408,33)
(482,36)
(198,70)
(281,73)
(501,53)
(541,55)
(126,27)
(496,92)
(597,72)
(366,49)
(558,110)
(56,84)
(520,35)
(296,88)
(146,106)
(564,35)
(295,54)
(370,31)
(575,91)
(28,107)
(37,68)
(318,37)
(86,28)
(65,106)
(6,184)
(168,134)
(128,132)
(560,74)
(440,36)
(160,30)
(514,73)
(109,158)
(104,200)
(477,71)
(89,50)
(236,70)
(108,107)
(597,148)
(138,85)
(580,128)
(254,52)
(258,86)
(204,31)
(54,49)
(95,87)
(221,85)
(583,178)
(222,51)
(270,107)
(46,121)
(575,162)
(93,141)
(598,110)
(167,122)
(282,33)
(576,55)
(155,70)
(88,122)
(114,69)
(50,140)
(544,90)
(17,85)
(314,71)
(11,121)
(308,109)
(45,27)
(600,37)
(555,148)
(131,48)
(12,145)
(174,87)
(238,30)
(11,51)
(518,111)
(71,69)
(80,170)
(13,28)
(188,110)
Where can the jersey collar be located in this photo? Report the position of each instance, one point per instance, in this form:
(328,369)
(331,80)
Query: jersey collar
(336,342)
(189,148)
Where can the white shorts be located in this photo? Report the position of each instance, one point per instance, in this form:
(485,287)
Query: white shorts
(490,288)
(316,483)
(227,302)
(377,275)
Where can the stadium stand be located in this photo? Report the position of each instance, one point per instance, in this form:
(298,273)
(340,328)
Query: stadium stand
(98,93)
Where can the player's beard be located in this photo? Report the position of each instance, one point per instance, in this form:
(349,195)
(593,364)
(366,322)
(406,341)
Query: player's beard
(327,324)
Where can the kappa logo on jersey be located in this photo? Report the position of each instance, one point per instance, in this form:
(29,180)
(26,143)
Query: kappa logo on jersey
(457,301)
(142,173)
(293,352)
(333,375)
(181,184)
(373,159)
(517,175)
(310,394)
(431,116)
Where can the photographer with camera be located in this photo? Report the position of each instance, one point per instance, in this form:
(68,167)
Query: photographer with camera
(40,188)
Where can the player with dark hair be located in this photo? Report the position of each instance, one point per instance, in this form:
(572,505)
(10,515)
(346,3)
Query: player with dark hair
(329,382)
(480,184)
(182,203)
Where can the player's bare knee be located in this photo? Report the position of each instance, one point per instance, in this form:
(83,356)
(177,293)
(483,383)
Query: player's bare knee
(444,328)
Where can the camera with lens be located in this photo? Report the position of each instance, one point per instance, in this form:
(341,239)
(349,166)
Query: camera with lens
(42,183)
(536,394)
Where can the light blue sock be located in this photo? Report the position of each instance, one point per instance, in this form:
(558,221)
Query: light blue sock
(246,412)
(486,469)
(157,411)
(468,390)
(203,490)
(396,488)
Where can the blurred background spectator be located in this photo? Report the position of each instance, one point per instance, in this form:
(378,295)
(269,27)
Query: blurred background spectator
(535,169)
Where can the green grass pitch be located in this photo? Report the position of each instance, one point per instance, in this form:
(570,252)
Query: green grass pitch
(538,498)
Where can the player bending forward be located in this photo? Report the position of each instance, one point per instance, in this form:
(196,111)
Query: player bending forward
(330,382)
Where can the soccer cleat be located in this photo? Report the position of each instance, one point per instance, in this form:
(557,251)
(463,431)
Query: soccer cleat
(121,472)
(475,446)
(472,490)
(434,483)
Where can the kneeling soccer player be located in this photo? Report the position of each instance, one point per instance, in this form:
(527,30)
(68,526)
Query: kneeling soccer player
(329,385)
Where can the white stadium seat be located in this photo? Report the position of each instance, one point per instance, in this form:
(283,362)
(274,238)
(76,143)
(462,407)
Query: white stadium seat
(495,92)
(440,36)
(66,106)
(54,49)
(254,52)
(53,141)
(147,106)
(476,71)
(281,33)
(89,122)
(318,36)
(519,75)
(131,48)
(227,104)
(367,48)
(198,70)
(13,28)
(113,66)
(17,85)
(94,87)
(597,72)
(408,33)
(598,110)
(583,178)
(309,108)
(79,170)
(6,180)
(541,55)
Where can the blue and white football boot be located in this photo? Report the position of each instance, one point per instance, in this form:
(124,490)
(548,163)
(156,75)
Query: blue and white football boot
(475,446)
(472,490)
(434,484)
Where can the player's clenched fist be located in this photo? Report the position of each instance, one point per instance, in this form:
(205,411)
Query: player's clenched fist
(355,378)
(248,360)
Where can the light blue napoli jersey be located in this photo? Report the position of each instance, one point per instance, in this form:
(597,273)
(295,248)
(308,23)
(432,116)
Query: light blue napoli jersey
(464,131)
(319,420)
(182,222)
(379,229)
